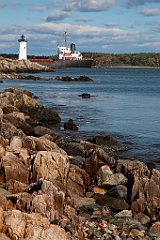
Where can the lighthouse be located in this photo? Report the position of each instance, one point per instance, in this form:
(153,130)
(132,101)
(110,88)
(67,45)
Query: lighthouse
(22,48)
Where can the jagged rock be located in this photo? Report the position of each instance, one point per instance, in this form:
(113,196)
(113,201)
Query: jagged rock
(142,218)
(46,115)
(124,213)
(4,142)
(9,66)
(4,237)
(95,158)
(52,166)
(136,233)
(49,134)
(4,202)
(70,125)
(119,191)
(81,201)
(114,203)
(77,181)
(106,180)
(74,149)
(15,187)
(1,113)
(126,223)
(39,144)
(146,197)
(42,197)
(18,225)
(16,142)
(2,151)
(69,79)
(12,168)
(19,123)
(8,130)
(155,228)
(19,100)
(132,167)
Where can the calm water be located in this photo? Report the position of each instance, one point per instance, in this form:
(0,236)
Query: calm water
(125,103)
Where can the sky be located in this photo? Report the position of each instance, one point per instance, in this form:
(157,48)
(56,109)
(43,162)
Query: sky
(103,26)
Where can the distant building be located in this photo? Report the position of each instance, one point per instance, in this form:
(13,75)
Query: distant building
(22,48)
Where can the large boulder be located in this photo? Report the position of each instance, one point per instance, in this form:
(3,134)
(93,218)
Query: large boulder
(52,166)
(44,116)
(19,100)
(131,168)
(145,195)
(17,224)
(8,130)
(12,168)
(19,123)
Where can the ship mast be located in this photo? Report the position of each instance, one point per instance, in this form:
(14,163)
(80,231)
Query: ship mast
(65,39)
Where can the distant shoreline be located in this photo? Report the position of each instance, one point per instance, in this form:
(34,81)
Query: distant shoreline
(125,66)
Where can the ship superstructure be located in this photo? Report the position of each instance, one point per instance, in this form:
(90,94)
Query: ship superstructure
(65,53)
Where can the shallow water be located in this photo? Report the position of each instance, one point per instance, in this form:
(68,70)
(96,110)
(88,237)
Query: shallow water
(125,102)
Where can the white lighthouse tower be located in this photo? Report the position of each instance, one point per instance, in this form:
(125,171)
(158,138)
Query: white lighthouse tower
(22,48)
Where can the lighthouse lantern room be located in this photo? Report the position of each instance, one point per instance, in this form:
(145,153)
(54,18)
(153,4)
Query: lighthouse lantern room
(22,48)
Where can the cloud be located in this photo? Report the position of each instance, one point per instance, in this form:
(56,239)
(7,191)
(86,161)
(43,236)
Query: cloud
(111,24)
(83,20)
(57,15)
(150,12)
(89,5)
(38,9)
(133,3)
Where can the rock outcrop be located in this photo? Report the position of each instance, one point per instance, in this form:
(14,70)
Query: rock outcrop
(10,68)
(53,188)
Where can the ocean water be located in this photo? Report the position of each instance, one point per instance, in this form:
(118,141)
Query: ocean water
(125,103)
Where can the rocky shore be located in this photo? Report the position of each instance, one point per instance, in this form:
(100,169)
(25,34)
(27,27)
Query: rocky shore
(58,189)
(11,68)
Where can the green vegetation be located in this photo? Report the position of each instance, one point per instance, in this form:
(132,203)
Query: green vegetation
(135,59)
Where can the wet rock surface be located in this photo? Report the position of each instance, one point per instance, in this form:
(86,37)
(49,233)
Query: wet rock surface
(69,79)
(52,187)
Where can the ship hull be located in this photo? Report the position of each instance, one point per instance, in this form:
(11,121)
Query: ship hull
(84,63)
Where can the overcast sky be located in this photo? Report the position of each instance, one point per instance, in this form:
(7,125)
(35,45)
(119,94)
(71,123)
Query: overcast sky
(108,26)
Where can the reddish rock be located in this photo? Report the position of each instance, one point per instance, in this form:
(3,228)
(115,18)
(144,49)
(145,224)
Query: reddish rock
(52,166)
(139,205)
(77,182)
(14,186)
(39,144)
(132,167)
(19,123)
(13,169)
(136,233)
(155,227)
(30,226)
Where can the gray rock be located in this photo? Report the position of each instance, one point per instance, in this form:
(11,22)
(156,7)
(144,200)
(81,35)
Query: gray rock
(113,203)
(119,191)
(108,180)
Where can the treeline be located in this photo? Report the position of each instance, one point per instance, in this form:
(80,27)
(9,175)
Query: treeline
(134,59)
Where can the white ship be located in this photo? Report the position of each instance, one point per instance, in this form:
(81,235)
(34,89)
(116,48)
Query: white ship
(69,57)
